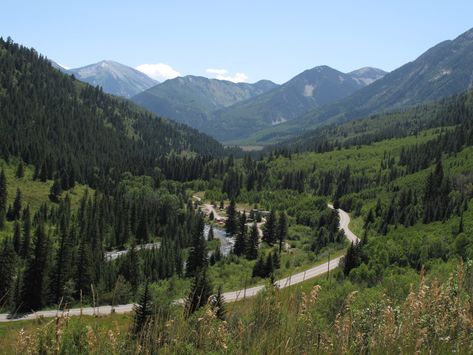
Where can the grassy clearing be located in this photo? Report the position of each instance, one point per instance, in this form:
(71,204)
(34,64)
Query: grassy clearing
(34,192)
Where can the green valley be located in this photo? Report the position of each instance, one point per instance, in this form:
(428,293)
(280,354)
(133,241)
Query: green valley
(343,226)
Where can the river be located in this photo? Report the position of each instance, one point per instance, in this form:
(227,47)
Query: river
(226,243)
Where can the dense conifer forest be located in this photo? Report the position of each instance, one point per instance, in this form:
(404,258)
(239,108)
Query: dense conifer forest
(74,131)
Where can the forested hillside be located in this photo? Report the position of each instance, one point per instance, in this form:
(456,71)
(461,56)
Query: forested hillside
(193,99)
(68,128)
(447,112)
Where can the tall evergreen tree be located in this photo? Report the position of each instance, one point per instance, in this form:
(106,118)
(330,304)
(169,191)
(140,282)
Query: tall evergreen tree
(17,237)
(20,170)
(242,221)
(3,216)
(239,248)
(7,267)
(61,272)
(3,199)
(143,311)
(269,266)
(218,304)
(198,253)
(131,268)
(276,261)
(269,229)
(253,243)
(231,224)
(55,191)
(282,230)
(3,191)
(33,295)
(142,235)
(199,293)
(210,236)
(258,268)
(26,241)
(16,209)
(84,272)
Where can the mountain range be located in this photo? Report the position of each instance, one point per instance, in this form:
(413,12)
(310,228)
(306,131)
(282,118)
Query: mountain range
(444,70)
(264,113)
(310,89)
(114,78)
(229,110)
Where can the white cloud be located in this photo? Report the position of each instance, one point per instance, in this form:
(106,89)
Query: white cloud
(223,74)
(158,71)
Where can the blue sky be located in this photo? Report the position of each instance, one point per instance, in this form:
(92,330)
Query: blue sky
(240,40)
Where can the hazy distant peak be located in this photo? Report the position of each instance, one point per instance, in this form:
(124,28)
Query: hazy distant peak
(367,75)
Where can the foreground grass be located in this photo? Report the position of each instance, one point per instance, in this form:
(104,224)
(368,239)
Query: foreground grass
(322,316)
(15,334)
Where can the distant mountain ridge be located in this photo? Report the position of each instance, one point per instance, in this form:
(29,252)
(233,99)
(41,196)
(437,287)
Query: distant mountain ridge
(444,70)
(310,89)
(229,110)
(193,99)
(115,78)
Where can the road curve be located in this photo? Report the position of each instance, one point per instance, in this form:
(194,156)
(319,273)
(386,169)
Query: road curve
(232,296)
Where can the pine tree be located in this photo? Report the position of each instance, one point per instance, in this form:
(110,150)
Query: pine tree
(352,258)
(131,268)
(239,248)
(231,225)
(33,294)
(3,191)
(20,170)
(62,264)
(242,222)
(199,293)
(198,253)
(269,229)
(210,236)
(17,237)
(268,266)
(143,311)
(3,216)
(258,268)
(7,267)
(142,229)
(26,221)
(218,304)
(369,219)
(55,191)
(461,227)
(276,261)
(253,243)
(84,271)
(16,208)
(3,199)
(282,230)
(217,254)
(378,209)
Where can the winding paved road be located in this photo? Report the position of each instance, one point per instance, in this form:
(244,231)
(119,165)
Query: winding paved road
(232,296)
